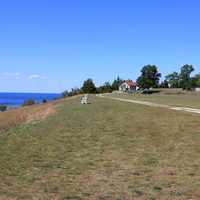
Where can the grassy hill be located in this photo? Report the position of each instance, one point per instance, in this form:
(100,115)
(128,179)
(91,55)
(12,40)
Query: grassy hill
(104,150)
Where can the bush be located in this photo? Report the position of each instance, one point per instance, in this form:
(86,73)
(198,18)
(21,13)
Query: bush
(3,108)
(147,91)
(28,102)
(44,101)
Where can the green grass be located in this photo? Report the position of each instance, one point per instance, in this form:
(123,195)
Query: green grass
(184,99)
(104,150)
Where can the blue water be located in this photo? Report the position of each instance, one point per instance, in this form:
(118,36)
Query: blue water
(16,99)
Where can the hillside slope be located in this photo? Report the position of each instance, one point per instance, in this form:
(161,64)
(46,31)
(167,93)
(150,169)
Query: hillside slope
(103,150)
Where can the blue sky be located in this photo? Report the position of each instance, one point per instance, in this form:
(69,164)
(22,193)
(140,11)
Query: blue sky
(52,45)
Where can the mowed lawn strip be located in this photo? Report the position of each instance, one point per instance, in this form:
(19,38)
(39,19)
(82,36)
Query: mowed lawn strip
(103,150)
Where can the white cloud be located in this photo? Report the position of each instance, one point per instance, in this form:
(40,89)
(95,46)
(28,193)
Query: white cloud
(36,76)
(17,75)
(10,75)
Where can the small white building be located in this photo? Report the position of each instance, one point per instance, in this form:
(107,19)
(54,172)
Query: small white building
(197,89)
(127,86)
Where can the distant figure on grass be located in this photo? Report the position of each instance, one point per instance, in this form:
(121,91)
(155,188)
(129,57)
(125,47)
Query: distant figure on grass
(84,99)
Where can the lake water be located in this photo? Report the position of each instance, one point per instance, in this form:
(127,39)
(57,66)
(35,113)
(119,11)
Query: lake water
(16,99)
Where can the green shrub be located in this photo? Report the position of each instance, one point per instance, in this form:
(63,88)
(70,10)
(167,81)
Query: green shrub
(3,108)
(28,102)
(44,101)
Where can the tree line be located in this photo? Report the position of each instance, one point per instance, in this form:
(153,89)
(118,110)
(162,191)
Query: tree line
(89,87)
(149,78)
(182,79)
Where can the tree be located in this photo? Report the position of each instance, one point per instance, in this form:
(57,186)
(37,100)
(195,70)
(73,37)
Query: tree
(196,81)
(89,86)
(185,79)
(73,92)
(164,84)
(116,83)
(149,77)
(173,79)
(65,94)
(106,88)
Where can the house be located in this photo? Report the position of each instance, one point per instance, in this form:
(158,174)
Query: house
(197,89)
(128,86)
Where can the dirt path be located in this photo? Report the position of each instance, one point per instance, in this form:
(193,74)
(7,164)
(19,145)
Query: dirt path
(185,109)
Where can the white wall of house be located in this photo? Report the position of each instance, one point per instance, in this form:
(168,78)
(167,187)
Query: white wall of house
(125,87)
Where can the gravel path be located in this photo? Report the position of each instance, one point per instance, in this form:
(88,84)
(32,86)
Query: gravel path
(185,109)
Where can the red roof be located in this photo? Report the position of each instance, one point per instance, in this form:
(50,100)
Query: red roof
(130,83)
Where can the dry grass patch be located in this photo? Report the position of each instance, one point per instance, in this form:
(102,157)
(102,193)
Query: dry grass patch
(28,114)
(40,113)
(17,116)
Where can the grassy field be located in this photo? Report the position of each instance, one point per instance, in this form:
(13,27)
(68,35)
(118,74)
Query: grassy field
(104,150)
(168,97)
